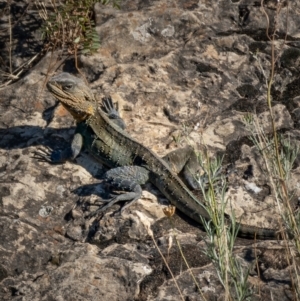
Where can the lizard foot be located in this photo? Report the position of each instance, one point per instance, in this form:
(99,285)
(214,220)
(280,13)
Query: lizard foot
(112,110)
(132,196)
(109,107)
(45,154)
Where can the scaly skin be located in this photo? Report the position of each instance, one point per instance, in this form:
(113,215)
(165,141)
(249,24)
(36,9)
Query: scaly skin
(115,148)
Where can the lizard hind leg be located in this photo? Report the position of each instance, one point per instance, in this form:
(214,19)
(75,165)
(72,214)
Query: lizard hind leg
(184,162)
(126,178)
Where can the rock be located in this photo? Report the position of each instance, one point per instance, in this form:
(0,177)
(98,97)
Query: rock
(184,73)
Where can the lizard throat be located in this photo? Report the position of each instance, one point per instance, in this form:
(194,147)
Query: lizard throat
(77,115)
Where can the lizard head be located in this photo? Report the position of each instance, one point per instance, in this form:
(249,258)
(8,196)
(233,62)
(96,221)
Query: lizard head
(74,95)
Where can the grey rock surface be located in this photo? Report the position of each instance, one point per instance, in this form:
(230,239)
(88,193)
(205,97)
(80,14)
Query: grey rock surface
(181,71)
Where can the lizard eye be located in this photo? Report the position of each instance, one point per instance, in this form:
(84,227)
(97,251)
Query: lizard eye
(67,87)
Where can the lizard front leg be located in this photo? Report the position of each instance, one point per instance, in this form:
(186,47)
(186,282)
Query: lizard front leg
(61,156)
(112,111)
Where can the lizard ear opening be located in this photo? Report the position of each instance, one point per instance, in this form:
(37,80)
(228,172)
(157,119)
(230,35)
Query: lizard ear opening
(89,97)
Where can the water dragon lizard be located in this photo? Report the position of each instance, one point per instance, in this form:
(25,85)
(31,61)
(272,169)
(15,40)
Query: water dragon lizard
(102,133)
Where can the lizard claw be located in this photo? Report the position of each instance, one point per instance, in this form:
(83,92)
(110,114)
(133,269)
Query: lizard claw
(112,110)
(49,155)
(43,154)
(109,107)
